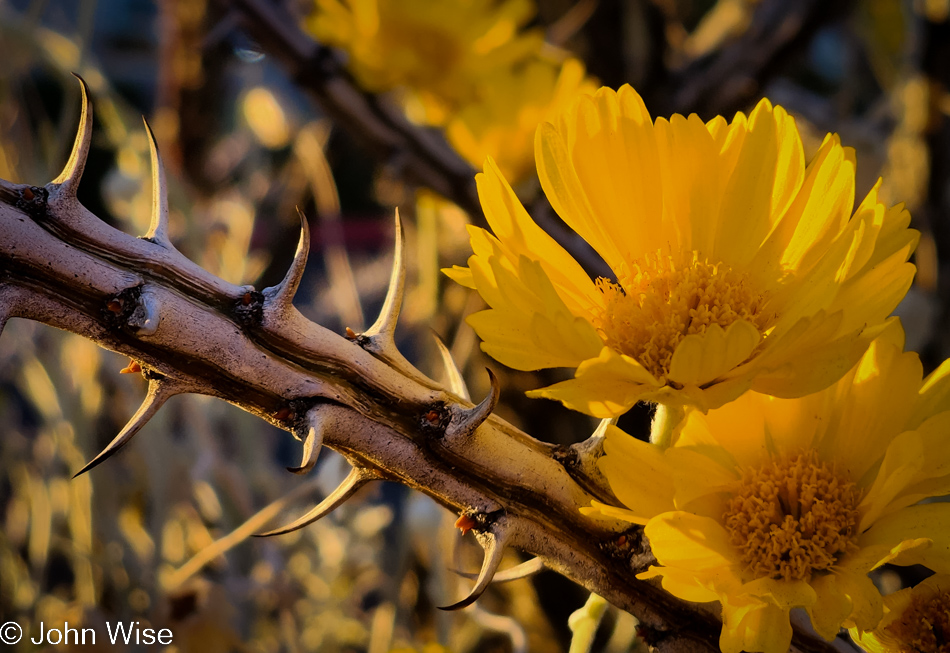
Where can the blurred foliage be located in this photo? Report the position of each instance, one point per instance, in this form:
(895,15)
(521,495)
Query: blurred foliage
(160,534)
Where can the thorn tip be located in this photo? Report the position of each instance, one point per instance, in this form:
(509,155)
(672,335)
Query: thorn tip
(384,328)
(494,546)
(282,295)
(68,179)
(357,478)
(452,372)
(159,391)
(158,227)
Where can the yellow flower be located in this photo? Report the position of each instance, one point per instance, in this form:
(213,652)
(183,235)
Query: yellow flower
(769,504)
(442,51)
(502,122)
(736,265)
(916,620)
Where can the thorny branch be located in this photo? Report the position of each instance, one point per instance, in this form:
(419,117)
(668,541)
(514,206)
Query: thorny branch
(193,332)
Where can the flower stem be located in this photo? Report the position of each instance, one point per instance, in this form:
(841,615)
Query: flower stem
(665,420)
(584,622)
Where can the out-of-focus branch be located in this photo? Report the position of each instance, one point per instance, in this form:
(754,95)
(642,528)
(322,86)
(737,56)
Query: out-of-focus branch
(731,77)
(419,155)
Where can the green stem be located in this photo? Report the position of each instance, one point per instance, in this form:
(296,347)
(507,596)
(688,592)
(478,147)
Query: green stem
(584,622)
(665,420)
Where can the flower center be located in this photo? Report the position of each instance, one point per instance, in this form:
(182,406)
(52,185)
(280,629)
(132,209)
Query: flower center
(792,517)
(925,625)
(660,302)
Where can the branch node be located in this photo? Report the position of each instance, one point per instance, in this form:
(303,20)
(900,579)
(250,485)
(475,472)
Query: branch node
(34,201)
(146,315)
(249,308)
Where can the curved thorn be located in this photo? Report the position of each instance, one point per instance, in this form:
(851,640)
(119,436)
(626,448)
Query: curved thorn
(494,551)
(526,569)
(312,443)
(385,325)
(68,179)
(158,227)
(282,295)
(356,479)
(452,372)
(159,391)
(470,419)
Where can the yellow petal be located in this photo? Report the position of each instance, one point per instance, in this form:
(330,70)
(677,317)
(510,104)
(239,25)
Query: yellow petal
(873,407)
(754,627)
(566,193)
(529,326)
(521,236)
(647,493)
(914,535)
(701,358)
(832,607)
(460,275)
(690,210)
(781,593)
(809,359)
(605,386)
(611,144)
(867,606)
(934,395)
(680,539)
(697,473)
(767,176)
(900,468)
(682,583)
(822,207)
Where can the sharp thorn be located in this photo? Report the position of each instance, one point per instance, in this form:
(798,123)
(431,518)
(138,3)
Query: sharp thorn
(282,295)
(494,551)
(357,478)
(312,443)
(158,227)
(385,326)
(159,391)
(526,569)
(452,372)
(465,422)
(68,179)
